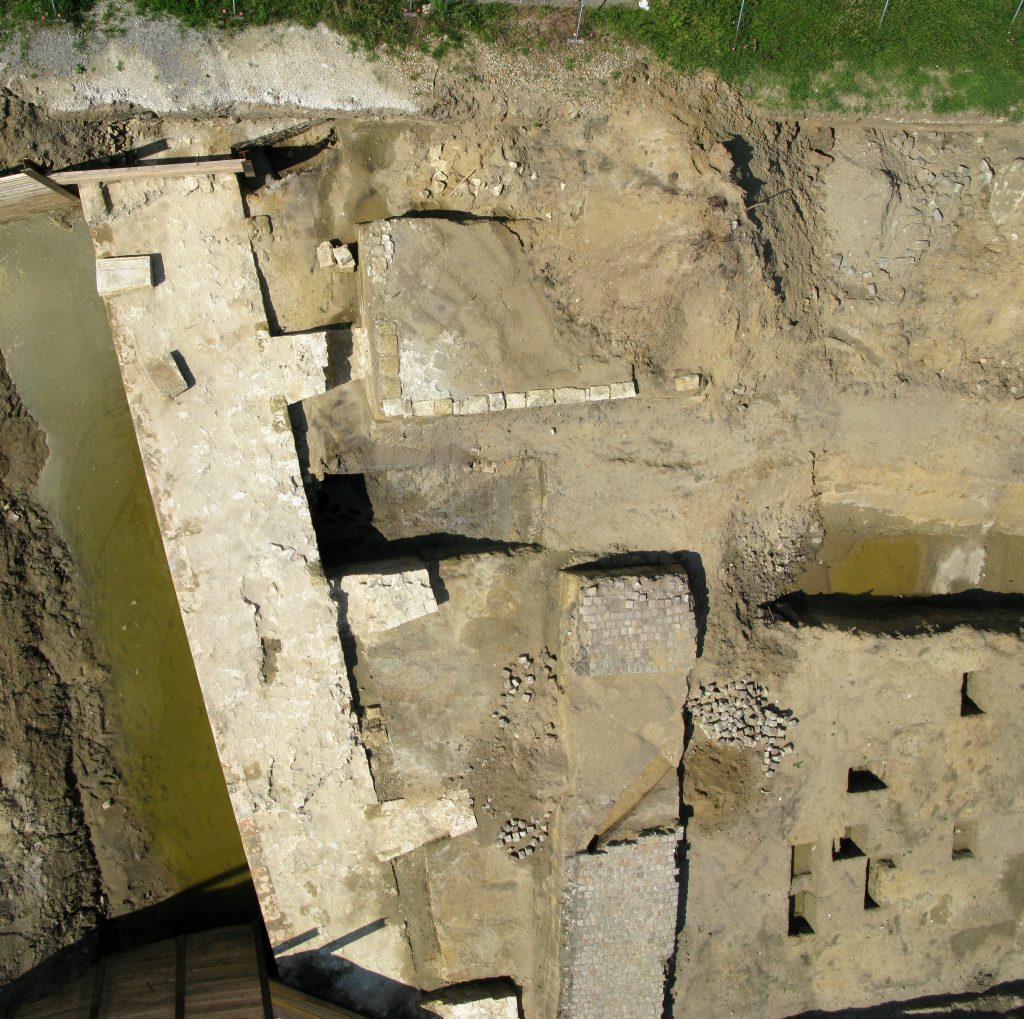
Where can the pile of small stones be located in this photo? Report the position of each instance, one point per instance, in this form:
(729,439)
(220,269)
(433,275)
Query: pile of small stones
(381,251)
(739,713)
(523,838)
(520,680)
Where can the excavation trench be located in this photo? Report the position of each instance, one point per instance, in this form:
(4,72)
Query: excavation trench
(56,340)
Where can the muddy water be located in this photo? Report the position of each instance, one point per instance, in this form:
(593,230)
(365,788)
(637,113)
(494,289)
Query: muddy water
(54,334)
(871,552)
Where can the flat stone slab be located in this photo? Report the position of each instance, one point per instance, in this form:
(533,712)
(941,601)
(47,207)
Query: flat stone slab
(372,602)
(121,274)
(405,825)
(228,492)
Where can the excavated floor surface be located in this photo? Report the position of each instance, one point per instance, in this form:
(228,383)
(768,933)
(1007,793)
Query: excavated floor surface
(846,294)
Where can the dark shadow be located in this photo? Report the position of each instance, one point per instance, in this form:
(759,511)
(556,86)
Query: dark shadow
(901,617)
(847,849)
(156,261)
(799,925)
(273,323)
(202,907)
(319,973)
(683,867)
(182,365)
(283,158)
(124,157)
(473,990)
(343,521)
(691,563)
(968,707)
(742,153)
(869,902)
(917,1006)
(300,430)
(863,780)
(262,173)
(353,936)
(753,187)
(339,356)
(454,216)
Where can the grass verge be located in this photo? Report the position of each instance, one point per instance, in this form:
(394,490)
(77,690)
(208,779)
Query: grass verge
(373,24)
(834,54)
(830,54)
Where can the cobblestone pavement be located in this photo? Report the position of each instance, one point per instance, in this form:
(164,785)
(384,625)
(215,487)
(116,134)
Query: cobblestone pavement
(629,623)
(619,928)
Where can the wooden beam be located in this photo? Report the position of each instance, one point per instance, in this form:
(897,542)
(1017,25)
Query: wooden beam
(193,168)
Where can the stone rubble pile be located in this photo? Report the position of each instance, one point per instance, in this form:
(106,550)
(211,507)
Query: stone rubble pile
(520,679)
(523,838)
(380,251)
(739,713)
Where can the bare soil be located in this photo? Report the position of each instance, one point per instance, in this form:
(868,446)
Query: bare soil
(66,844)
(844,291)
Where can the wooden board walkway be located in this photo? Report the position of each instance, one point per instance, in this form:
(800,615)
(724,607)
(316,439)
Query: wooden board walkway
(28,191)
(217,974)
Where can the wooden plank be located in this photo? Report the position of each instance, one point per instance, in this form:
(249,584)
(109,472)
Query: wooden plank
(289,1003)
(71,1002)
(39,178)
(140,983)
(21,195)
(192,168)
(126,272)
(223,976)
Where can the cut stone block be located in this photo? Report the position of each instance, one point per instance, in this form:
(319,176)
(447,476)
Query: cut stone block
(120,275)
(621,390)
(495,401)
(689,382)
(596,393)
(373,602)
(344,258)
(390,387)
(540,398)
(569,394)
(514,401)
(325,254)
(393,407)
(400,826)
(476,405)
(472,1002)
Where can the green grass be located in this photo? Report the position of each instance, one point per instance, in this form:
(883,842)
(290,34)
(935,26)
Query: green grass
(371,23)
(948,55)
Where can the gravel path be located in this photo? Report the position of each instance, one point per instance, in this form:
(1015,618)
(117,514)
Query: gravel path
(164,67)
